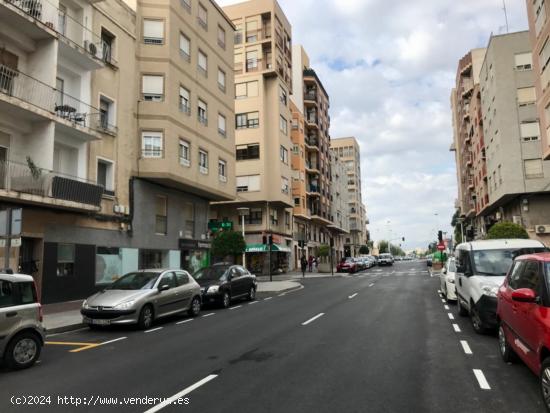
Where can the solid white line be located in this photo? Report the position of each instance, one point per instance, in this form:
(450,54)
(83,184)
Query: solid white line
(182,393)
(268,298)
(481,379)
(207,315)
(185,321)
(370,285)
(153,329)
(466,347)
(112,341)
(352,296)
(305,323)
(446,307)
(237,306)
(451,317)
(457,328)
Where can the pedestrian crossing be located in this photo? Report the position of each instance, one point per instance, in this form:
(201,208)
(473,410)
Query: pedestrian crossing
(410,273)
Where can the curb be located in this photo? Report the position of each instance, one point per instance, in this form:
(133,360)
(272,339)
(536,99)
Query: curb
(272,293)
(65,329)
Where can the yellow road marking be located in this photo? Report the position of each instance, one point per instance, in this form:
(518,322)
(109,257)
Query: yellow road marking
(76,350)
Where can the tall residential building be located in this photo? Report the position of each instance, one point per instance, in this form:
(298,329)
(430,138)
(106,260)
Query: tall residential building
(539,27)
(311,188)
(349,152)
(263,84)
(339,206)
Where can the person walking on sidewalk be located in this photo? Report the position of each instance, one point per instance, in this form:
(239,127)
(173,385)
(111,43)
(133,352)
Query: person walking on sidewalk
(303,263)
(310,262)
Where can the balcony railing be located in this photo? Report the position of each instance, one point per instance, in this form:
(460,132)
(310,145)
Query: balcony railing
(18,85)
(313,188)
(30,179)
(257,65)
(311,141)
(310,95)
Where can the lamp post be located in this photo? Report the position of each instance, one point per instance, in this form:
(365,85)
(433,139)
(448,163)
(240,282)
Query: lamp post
(243,212)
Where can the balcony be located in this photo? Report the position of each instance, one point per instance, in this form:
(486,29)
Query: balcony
(19,91)
(258,65)
(34,18)
(310,96)
(258,35)
(311,120)
(312,143)
(29,183)
(313,190)
(312,167)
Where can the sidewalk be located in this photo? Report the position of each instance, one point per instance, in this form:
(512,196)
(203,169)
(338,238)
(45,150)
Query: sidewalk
(297,275)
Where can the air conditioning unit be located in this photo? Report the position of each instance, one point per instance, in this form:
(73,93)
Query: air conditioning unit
(542,229)
(117,209)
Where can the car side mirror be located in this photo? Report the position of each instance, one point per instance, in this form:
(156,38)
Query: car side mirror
(164,287)
(524,295)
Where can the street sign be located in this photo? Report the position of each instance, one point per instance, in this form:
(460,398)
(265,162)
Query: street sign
(441,247)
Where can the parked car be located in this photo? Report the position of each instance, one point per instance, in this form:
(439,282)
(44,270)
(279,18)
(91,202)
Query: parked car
(524,320)
(21,330)
(371,261)
(361,263)
(223,282)
(429,260)
(481,268)
(447,280)
(385,259)
(347,265)
(143,296)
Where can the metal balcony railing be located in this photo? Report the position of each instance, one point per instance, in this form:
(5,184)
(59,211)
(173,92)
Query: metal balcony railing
(18,85)
(30,179)
(310,95)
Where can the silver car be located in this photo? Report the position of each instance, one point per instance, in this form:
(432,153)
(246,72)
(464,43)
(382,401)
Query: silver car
(143,296)
(21,330)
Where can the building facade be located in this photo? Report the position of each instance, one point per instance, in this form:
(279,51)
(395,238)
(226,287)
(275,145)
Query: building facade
(340,205)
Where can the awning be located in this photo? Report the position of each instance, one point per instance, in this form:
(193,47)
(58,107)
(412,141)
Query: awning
(265,248)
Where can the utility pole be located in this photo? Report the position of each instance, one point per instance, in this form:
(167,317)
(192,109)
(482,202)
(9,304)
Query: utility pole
(505,15)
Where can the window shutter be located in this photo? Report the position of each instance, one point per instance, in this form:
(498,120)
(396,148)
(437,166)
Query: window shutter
(523,59)
(153,85)
(526,95)
(533,167)
(253,88)
(530,129)
(153,29)
(254,183)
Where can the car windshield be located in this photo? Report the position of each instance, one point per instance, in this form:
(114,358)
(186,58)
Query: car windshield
(210,273)
(498,262)
(135,281)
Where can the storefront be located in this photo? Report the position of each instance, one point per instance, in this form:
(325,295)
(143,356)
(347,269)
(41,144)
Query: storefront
(257,258)
(194,254)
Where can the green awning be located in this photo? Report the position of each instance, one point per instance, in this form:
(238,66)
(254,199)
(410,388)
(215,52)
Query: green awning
(265,248)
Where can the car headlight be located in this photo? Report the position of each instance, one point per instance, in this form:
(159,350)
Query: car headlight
(489,289)
(125,305)
(213,289)
(85,305)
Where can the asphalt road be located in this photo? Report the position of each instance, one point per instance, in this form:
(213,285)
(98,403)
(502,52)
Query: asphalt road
(377,341)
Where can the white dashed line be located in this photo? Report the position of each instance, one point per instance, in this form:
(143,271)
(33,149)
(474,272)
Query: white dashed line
(439,292)
(311,320)
(451,317)
(153,329)
(457,328)
(208,315)
(443,301)
(483,384)
(282,295)
(466,347)
(112,341)
(268,298)
(370,285)
(184,321)
(253,302)
(352,296)
(446,307)
(237,306)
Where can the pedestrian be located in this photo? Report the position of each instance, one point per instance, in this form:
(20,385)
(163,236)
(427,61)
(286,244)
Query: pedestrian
(303,263)
(315,262)
(310,263)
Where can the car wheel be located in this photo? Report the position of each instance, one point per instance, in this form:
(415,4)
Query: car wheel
(545,382)
(477,324)
(146,317)
(195,307)
(226,300)
(22,351)
(461,310)
(506,352)
(251,294)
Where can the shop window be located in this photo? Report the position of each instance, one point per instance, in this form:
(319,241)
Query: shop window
(65,260)
(108,265)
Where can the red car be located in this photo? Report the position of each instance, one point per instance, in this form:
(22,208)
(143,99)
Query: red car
(348,265)
(523,313)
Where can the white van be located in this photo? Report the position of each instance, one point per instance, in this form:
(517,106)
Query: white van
(481,268)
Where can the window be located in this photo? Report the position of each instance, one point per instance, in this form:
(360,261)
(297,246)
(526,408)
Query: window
(524,61)
(530,131)
(274,217)
(296,201)
(105,176)
(284,185)
(62,19)
(203,17)
(185,47)
(284,155)
(152,88)
(184,102)
(252,61)
(107,46)
(106,114)
(59,87)
(161,218)
(168,279)
(153,31)
(252,31)
(254,217)
(221,80)
(238,34)
(221,125)
(203,63)
(246,90)
(248,183)
(186,4)
(203,112)
(283,125)
(533,168)
(182,278)
(203,161)
(245,152)
(287,219)
(247,120)
(65,260)
(188,219)
(283,99)
(184,153)
(540,15)
(222,170)
(151,144)
(530,276)
(526,96)
(221,37)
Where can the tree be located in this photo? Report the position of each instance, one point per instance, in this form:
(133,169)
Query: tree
(363,250)
(228,243)
(507,229)
(323,251)
(383,247)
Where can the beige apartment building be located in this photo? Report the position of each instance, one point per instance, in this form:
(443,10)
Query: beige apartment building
(539,28)
(263,84)
(349,152)
(339,206)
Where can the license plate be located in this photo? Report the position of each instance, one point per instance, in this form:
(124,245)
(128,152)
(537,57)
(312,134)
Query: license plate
(101,322)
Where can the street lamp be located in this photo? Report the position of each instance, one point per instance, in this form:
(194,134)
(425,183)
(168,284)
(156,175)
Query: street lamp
(243,212)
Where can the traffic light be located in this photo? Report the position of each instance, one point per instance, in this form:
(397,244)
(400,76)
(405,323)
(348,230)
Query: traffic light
(440,236)
(403,238)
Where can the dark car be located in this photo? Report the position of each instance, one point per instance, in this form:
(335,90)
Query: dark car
(221,283)
(347,265)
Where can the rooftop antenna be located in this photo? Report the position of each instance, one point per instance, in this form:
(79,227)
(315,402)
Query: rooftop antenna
(505,15)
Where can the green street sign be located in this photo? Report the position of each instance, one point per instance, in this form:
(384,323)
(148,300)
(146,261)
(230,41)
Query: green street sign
(214,225)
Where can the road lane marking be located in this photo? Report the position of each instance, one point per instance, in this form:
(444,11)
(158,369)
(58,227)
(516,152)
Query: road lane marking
(439,292)
(451,317)
(237,306)
(443,301)
(182,393)
(282,295)
(481,379)
(207,315)
(67,343)
(446,307)
(352,296)
(253,302)
(184,321)
(153,329)
(457,328)
(466,347)
(268,298)
(311,320)
(370,285)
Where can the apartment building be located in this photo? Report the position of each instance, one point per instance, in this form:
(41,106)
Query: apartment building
(539,28)
(339,206)
(518,179)
(311,181)
(468,139)
(349,152)
(263,84)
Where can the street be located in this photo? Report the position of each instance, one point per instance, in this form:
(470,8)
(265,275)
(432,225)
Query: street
(380,340)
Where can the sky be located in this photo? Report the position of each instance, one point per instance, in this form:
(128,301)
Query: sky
(389,67)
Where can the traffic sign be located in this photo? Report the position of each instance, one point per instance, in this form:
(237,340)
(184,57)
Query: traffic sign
(441,247)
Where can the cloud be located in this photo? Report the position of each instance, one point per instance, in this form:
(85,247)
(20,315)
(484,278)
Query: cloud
(389,67)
